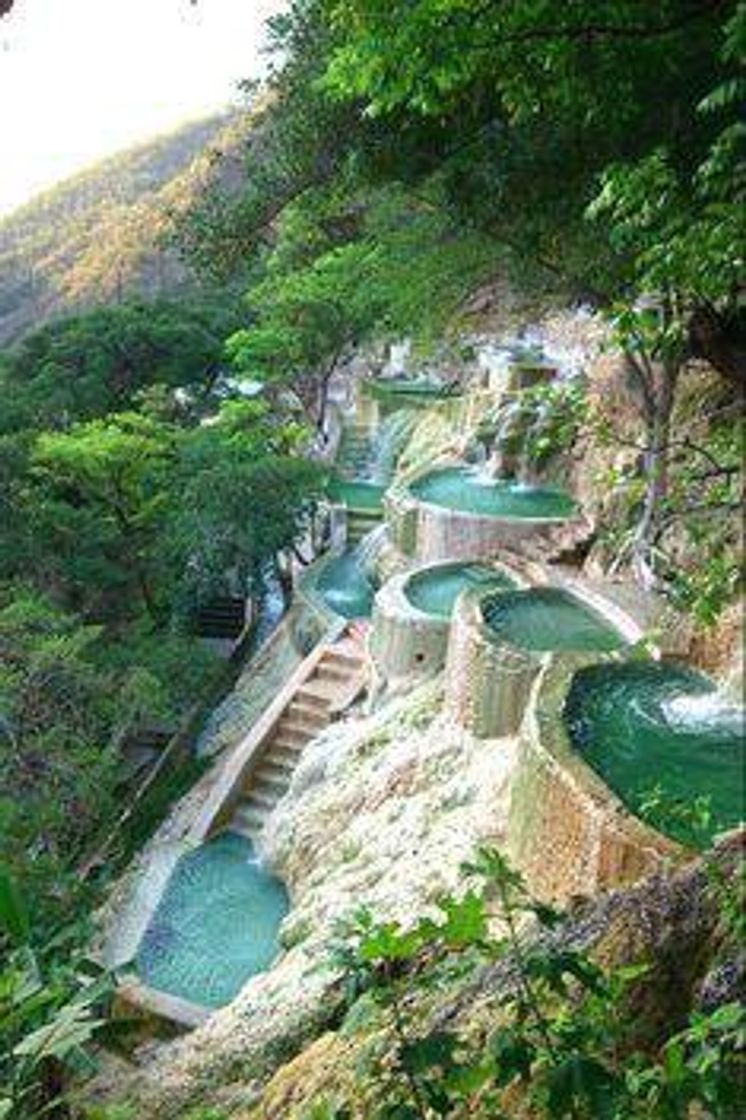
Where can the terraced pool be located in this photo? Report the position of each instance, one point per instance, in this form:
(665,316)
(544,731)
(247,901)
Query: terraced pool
(216,924)
(643,725)
(467,490)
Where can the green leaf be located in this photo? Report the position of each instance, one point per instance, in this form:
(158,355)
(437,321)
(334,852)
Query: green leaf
(581,1080)
(466,920)
(434,1050)
(13,915)
(513,1055)
(71,1027)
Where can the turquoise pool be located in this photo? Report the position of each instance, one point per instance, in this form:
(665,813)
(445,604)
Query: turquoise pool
(466,490)
(548,618)
(345,587)
(216,924)
(435,591)
(356,494)
(643,725)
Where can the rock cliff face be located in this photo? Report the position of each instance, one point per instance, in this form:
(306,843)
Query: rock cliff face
(383,809)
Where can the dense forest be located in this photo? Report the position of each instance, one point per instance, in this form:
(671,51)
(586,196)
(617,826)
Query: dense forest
(173,324)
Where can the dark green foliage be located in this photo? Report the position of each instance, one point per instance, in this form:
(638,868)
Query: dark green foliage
(51,1006)
(564,1042)
(90,364)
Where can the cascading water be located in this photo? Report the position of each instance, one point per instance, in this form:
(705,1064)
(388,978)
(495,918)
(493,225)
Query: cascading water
(388,443)
(650,725)
(345,583)
(460,488)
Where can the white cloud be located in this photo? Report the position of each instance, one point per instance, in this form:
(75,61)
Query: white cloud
(80,79)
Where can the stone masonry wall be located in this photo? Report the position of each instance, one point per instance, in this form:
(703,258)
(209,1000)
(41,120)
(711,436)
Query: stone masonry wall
(569,834)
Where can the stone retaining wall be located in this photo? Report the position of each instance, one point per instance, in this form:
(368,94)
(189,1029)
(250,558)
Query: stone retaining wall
(406,645)
(433,534)
(488,683)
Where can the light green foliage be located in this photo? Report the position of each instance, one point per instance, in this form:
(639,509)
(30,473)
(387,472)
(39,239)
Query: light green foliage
(349,266)
(564,1043)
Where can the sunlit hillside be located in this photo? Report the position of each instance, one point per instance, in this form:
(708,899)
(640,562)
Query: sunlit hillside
(99,235)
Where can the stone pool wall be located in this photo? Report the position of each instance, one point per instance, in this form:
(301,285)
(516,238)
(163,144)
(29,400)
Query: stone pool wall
(405,645)
(432,534)
(568,833)
(488,683)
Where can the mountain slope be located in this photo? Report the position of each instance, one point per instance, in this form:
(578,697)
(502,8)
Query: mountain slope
(97,235)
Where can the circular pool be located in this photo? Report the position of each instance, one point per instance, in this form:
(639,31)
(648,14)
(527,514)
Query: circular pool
(435,590)
(647,726)
(547,618)
(466,490)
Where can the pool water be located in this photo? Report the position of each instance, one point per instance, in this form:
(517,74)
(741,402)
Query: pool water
(465,489)
(413,387)
(357,495)
(345,587)
(644,725)
(216,924)
(435,591)
(548,618)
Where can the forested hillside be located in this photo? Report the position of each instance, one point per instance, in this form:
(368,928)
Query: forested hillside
(98,236)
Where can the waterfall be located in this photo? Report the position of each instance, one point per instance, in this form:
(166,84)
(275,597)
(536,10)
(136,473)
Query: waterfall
(367,550)
(388,444)
(527,465)
(503,460)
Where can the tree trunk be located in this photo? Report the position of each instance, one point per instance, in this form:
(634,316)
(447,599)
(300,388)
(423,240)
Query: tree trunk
(658,410)
(284,578)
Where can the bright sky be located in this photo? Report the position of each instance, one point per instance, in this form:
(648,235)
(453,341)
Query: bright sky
(81,79)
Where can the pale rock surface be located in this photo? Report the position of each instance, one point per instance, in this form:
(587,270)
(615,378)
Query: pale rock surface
(382,812)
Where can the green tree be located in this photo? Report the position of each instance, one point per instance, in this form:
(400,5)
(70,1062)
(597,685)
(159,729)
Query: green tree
(57,711)
(87,365)
(101,497)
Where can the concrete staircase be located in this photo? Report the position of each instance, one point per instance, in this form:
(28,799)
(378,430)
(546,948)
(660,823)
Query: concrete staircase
(337,678)
(354,450)
(360,522)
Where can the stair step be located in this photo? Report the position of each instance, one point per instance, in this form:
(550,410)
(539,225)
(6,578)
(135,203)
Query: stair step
(283,755)
(314,699)
(293,726)
(277,770)
(288,742)
(314,717)
(330,672)
(247,819)
(267,785)
(259,798)
(351,657)
(323,688)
